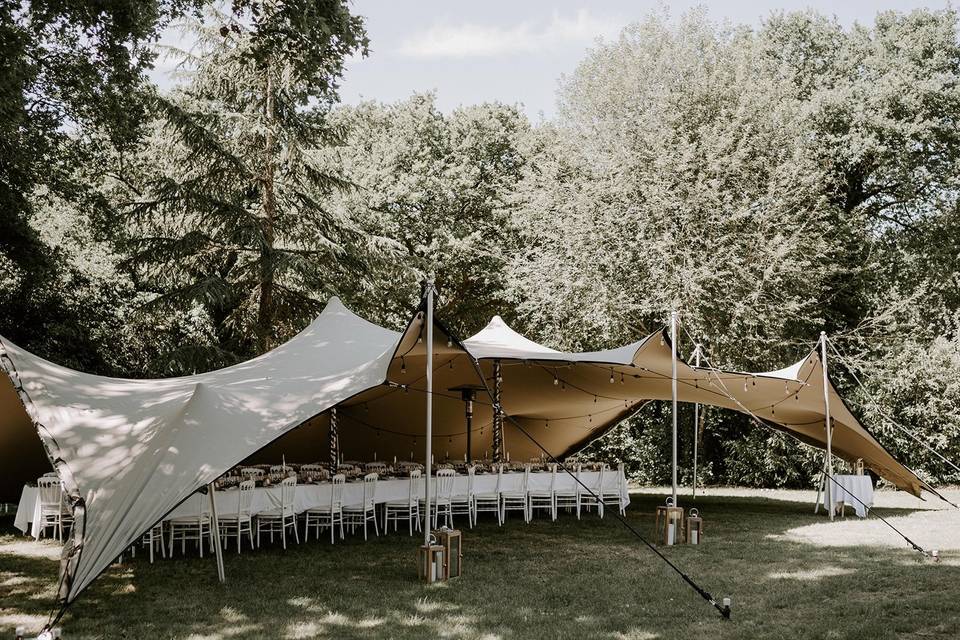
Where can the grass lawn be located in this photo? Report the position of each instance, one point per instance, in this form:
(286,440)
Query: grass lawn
(569,579)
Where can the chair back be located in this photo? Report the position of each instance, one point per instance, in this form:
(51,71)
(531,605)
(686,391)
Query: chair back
(370,490)
(621,476)
(245,497)
(288,489)
(337,483)
(525,483)
(553,476)
(251,473)
(415,475)
(50,491)
(444,485)
(603,469)
(471,471)
(278,471)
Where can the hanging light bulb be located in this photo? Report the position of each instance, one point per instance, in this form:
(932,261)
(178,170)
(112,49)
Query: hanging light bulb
(563,385)
(611,376)
(403,365)
(451,364)
(449,343)
(621,377)
(556,380)
(594,399)
(744,384)
(547,424)
(591,418)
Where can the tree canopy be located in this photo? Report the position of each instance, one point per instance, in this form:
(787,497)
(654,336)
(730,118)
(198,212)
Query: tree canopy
(767,182)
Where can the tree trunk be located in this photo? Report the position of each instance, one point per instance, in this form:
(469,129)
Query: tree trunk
(266,309)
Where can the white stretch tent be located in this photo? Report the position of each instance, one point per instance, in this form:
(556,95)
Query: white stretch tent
(129,451)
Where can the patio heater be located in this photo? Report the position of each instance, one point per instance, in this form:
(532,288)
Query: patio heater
(468,392)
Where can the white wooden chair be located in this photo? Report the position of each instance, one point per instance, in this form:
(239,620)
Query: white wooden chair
(153,540)
(278,472)
(517,499)
(409,509)
(366,510)
(545,498)
(284,517)
(53,509)
(328,515)
(568,497)
(489,502)
(462,503)
(442,493)
(192,528)
(241,521)
(610,494)
(593,498)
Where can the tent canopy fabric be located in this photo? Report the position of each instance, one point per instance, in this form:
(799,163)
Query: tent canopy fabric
(129,451)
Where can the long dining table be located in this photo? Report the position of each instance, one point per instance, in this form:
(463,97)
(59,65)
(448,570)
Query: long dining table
(308,496)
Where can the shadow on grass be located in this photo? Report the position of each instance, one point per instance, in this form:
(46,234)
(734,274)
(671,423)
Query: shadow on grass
(567,579)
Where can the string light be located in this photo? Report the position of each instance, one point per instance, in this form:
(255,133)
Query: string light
(594,399)
(621,377)
(556,380)
(611,376)
(403,365)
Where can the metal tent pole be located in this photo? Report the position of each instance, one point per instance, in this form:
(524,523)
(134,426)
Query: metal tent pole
(828,423)
(673,390)
(429,453)
(696,425)
(215,523)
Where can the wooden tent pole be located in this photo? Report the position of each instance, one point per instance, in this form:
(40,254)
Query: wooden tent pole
(828,423)
(673,391)
(429,452)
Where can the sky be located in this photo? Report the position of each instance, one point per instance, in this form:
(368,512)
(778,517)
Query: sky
(516,51)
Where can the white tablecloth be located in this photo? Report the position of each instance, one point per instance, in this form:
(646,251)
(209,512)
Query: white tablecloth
(28,511)
(308,496)
(852,491)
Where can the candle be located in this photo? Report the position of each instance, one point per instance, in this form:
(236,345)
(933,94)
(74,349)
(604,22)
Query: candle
(431,458)
(935,554)
(670,533)
(464,457)
(694,536)
(394,459)
(726,602)
(508,456)
(374,456)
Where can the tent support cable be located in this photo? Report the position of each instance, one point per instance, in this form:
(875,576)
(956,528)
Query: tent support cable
(723,609)
(887,417)
(761,422)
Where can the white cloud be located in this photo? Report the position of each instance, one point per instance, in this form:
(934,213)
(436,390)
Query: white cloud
(474,40)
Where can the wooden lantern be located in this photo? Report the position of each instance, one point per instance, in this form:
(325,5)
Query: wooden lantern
(430,562)
(694,527)
(858,467)
(669,524)
(452,542)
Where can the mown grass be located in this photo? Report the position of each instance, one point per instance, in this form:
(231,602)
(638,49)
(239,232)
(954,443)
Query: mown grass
(587,579)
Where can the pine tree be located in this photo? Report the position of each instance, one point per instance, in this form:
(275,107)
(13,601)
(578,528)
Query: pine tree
(233,218)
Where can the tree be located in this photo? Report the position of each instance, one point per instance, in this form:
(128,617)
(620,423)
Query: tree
(233,216)
(440,188)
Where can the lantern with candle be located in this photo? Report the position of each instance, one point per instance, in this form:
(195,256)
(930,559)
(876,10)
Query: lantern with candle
(669,524)
(430,561)
(694,527)
(452,542)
